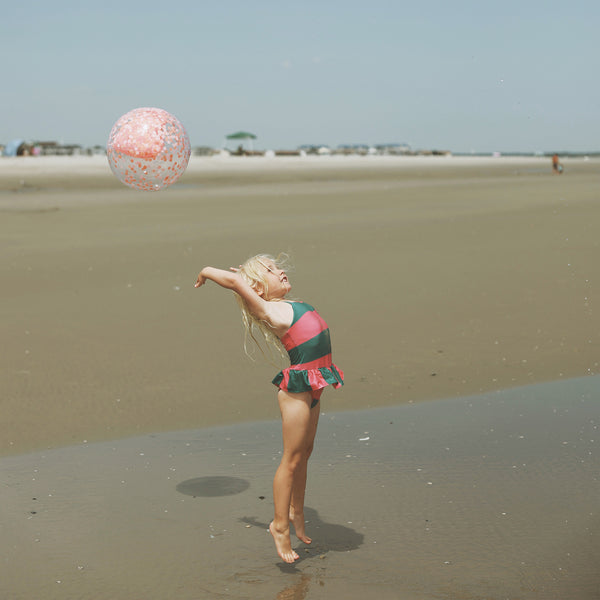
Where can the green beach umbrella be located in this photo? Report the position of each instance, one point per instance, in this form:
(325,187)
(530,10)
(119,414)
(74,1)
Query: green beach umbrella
(242,135)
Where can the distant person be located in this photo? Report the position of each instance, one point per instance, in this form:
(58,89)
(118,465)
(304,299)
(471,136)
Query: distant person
(261,286)
(556,166)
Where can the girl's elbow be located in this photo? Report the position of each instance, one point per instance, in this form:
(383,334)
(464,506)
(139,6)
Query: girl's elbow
(224,279)
(235,283)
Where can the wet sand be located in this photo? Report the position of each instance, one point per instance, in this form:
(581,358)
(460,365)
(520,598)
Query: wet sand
(492,496)
(142,438)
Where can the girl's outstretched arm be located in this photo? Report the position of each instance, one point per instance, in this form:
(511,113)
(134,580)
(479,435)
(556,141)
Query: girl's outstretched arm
(223,278)
(230,280)
(277,314)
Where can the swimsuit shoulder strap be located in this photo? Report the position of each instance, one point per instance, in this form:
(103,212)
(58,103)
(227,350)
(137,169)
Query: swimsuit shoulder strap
(299,309)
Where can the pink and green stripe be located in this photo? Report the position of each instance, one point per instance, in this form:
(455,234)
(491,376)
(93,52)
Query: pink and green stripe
(308,345)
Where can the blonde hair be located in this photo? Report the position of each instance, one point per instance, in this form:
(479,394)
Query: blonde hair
(253,273)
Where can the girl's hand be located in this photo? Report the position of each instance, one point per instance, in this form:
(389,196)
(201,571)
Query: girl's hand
(200,281)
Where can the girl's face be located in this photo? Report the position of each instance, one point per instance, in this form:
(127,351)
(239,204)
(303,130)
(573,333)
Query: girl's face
(277,281)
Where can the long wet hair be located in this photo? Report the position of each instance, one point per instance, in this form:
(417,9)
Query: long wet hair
(259,332)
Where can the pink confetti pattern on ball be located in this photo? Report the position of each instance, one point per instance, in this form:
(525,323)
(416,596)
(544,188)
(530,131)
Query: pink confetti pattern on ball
(148,149)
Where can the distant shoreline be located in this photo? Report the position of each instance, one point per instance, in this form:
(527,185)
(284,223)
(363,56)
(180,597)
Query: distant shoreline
(98,164)
(35,176)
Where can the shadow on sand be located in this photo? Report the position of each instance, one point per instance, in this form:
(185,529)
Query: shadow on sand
(327,537)
(212,486)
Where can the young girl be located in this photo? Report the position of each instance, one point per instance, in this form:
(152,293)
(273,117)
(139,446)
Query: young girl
(261,285)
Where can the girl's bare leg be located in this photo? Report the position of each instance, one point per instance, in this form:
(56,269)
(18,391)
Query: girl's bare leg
(299,428)
(299,484)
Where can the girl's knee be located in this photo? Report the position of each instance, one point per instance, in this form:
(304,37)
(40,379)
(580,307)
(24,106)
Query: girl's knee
(294,462)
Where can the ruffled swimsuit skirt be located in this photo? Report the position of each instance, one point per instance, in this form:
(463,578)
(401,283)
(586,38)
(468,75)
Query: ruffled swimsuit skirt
(308,345)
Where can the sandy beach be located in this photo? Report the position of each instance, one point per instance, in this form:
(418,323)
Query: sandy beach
(139,441)
(439,277)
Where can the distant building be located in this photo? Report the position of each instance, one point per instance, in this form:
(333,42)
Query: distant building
(349,149)
(47,148)
(20,147)
(312,148)
(203,151)
(393,148)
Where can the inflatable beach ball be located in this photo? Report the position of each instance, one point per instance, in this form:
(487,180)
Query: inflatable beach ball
(148,149)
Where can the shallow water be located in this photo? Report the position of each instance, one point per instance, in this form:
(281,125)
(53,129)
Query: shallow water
(493,496)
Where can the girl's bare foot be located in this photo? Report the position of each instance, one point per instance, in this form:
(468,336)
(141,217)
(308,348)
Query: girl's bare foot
(297,520)
(283,544)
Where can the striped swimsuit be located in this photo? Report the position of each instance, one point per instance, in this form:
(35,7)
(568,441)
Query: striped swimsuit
(308,344)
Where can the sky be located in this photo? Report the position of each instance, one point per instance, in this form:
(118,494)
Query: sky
(464,76)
